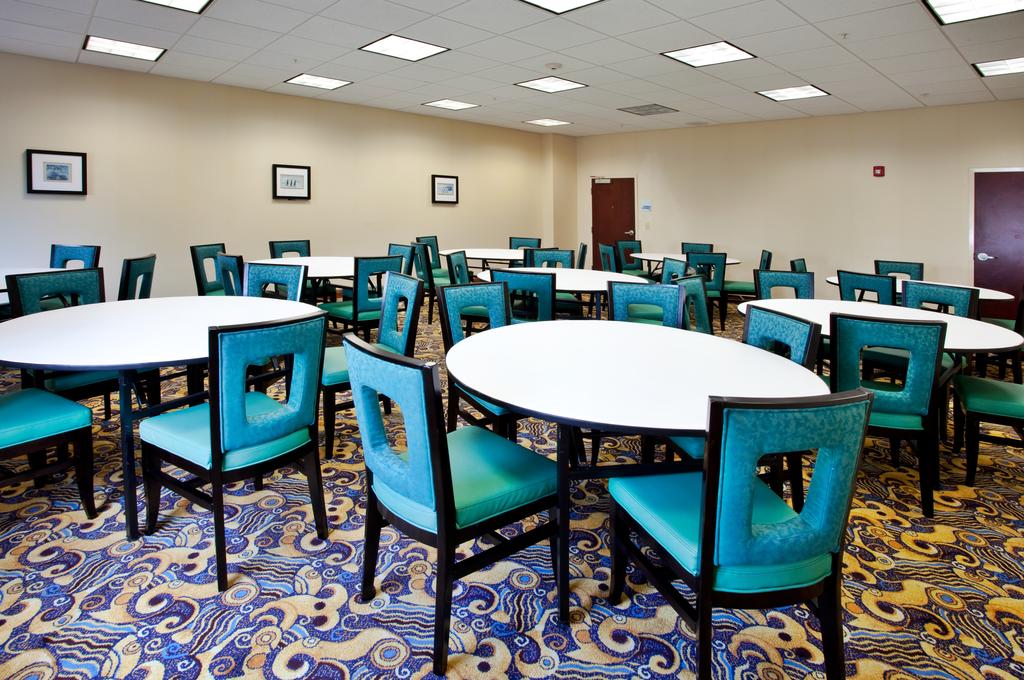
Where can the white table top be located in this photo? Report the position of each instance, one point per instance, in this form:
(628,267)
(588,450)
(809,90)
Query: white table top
(962,335)
(134,333)
(319,267)
(983,293)
(678,370)
(488,254)
(660,257)
(575,280)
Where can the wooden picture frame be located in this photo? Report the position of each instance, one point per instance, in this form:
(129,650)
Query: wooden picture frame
(55,172)
(291,182)
(444,189)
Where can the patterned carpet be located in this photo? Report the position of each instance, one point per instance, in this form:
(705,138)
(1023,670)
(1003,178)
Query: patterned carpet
(938,598)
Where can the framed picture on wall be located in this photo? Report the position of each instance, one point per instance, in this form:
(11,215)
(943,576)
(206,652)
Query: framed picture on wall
(444,189)
(292,182)
(55,172)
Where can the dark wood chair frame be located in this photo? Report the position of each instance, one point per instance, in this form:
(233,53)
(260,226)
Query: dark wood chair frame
(448,536)
(823,597)
(80,441)
(198,271)
(374,284)
(216,477)
(124,287)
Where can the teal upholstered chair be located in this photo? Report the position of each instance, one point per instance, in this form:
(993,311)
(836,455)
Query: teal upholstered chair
(405,251)
(435,257)
(901,412)
(798,265)
(853,286)
(362,312)
(552,257)
(686,248)
(425,273)
(801,283)
(204,263)
(608,258)
(565,302)
(295,248)
(288,280)
(61,255)
(697,316)
(400,291)
(978,400)
(441,490)
(488,301)
(32,422)
(458,267)
(712,267)
(624,250)
(729,538)
(743,289)
(532,294)
(672,270)
(29,294)
(912,270)
(1013,357)
(581,256)
(517,242)
(229,273)
(136,277)
(241,434)
(626,302)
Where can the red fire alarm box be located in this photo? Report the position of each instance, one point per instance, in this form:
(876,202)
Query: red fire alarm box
(878,171)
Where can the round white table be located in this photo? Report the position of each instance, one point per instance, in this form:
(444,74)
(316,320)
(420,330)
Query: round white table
(684,368)
(485,254)
(567,280)
(983,293)
(656,258)
(319,267)
(963,335)
(127,336)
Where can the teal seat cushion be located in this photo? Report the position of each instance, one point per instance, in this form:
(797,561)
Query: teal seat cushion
(439,273)
(992,397)
(343,310)
(714,293)
(668,507)
(50,303)
(1005,323)
(27,415)
(69,381)
(739,287)
(336,365)
(640,319)
(692,446)
(566,297)
(896,359)
(898,421)
(642,310)
(475,310)
(186,433)
(441,281)
(215,291)
(490,476)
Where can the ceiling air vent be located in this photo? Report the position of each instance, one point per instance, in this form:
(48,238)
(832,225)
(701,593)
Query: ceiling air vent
(648,110)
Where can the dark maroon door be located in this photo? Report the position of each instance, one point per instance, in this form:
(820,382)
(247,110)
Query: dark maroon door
(613,206)
(999,237)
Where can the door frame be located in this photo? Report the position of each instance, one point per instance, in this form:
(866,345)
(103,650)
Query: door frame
(970,205)
(636,201)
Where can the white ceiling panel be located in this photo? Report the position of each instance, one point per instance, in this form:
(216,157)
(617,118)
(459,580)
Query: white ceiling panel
(934,75)
(285,62)
(446,33)
(308,6)
(38,49)
(898,44)
(496,16)
(503,49)
(254,76)
(236,34)
(918,62)
(990,29)
(669,37)
(190,44)
(41,35)
(1001,49)
(191,66)
(605,51)
(333,32)
(257,13)
(378,14)
(308,49)
(146,14)
(958,98)
(623,16)
(752,19)
(46,17)
(80,6)
(556,34)
(794,39)
(807,59)
(880,23)
(822,10)
(112,61)
(142,35)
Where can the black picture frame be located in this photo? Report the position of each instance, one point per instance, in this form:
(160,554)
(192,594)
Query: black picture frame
(291,182)
(56,172)
(444,189)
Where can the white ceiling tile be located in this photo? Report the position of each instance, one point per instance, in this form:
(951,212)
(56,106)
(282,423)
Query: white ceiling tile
(674,36)
(113,61)
(1001,49)
(309,49)
(426,73)
(607,98)
(821,10)
(38,34)
(605,51)
(758,17)
(257,13)
(502,48)
(645,67)
(823,56)
(620,16)
(38,49)
(434,91)
(875,101)
(692,8)
(1010,93)
(918,62)
(379,14)
(285,62)
(794,39)
(236,34)
(335,32)
(497,16)
(772,81)
(191,44)
(296,90)
(395,100)
(141,35)
(880,23)
(357,92)
(80,6)
(462,62)
(308,6)
(191,66)
(898,44)
(445,33)
(822,106)
(957,98)
(341,72)
(251,75)
(386,80)
(1004,82)
(432,6)
(595,75)
(709,90)
(947,87)
(369,61)
(639,86)
(556,34)
(47,17)
(539,64)
(509,74)
(935,75)
(747,68)
(990,29)
(471,83)
(839,72)
(146,14)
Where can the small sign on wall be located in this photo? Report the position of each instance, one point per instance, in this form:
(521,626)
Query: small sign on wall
(878,171)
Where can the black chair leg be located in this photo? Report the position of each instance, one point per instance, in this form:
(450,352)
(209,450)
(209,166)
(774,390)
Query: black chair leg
(972,426)
(1017,372)
(704,638)
(257,482)
(453,408)
(723,308)
(619,534)
(371,545)
(830,613)
(795,468)
(106,406)
(311,462)
(958,426)
(927,462)
(36,460)
(387,405)
(84,472)
(553,541)
(442,608)
(219,538)
(330,413)
(894,451)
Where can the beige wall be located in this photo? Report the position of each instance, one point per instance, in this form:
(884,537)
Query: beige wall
(803,188)
(175,162)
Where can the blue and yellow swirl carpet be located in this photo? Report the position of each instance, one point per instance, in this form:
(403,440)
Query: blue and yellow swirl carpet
(940,598)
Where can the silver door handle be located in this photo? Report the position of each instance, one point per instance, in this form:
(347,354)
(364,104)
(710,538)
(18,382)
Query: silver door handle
(985,257)
(633,231)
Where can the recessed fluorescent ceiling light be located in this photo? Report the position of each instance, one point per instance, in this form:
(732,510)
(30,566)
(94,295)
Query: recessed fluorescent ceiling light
(560,6)
(706,55)
(404,48)
(318,81)
(1000,67)
(551,84)
(451,104)
(787,93)
(195,6)
(547,122)
(123,49)
(955,11)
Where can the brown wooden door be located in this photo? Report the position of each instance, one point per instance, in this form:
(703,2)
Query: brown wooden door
(999,237)
(613,206)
